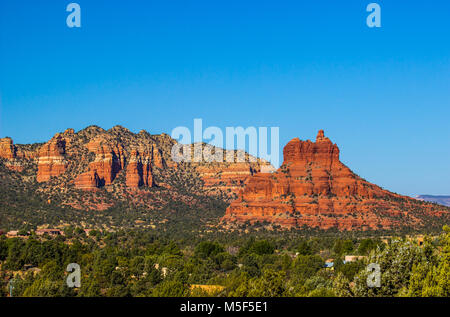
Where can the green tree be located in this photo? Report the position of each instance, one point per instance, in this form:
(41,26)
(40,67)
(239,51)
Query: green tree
(432,278)
(270,284)
(341,286)
(343,247)
(170,288)
(396,262)
(365,246)
(305,266)
(304,248)
(350,269)
(207,249)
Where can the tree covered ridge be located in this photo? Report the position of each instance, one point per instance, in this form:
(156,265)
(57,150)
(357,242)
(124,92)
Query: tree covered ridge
(136,263)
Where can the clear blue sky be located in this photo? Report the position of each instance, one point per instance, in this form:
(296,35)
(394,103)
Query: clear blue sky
(383,95)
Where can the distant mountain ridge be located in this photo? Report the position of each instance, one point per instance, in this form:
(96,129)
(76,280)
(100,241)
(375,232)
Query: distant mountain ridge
(438,199)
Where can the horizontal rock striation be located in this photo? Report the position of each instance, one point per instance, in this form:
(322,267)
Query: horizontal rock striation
(7,150)
(51,160)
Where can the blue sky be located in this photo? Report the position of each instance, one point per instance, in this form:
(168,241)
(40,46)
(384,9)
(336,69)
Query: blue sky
(383,95)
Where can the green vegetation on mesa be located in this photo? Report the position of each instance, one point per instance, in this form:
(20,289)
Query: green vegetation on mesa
(140,263)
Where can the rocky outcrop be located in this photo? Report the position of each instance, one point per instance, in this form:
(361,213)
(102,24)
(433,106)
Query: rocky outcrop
(51,160)
(7,150)
(97,157)
(227,177)
(108,162)
(157,158)
(313,188)
(88,181)
(111,157)
(139,169)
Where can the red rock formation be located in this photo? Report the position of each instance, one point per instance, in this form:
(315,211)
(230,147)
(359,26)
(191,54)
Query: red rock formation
(109,161)
(313,188)
(110,158)
(7,150)
(88,180)
(227,177)
(139,170)
(51,161)
(157,158)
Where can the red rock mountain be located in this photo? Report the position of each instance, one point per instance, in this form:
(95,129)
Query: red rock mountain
(120,162)
(131,180)
(313,188)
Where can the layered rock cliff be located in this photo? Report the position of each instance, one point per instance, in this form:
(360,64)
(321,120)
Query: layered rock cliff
(124,164)
(109,161)
(51,160)
(139,170)
(15,158)
(313,188)
(7,150)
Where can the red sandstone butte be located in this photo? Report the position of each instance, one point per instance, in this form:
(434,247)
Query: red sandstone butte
(51,161)
(139,169)
(8,152)
(314,188)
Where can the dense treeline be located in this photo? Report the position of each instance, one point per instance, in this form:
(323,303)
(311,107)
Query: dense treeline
(139,263)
